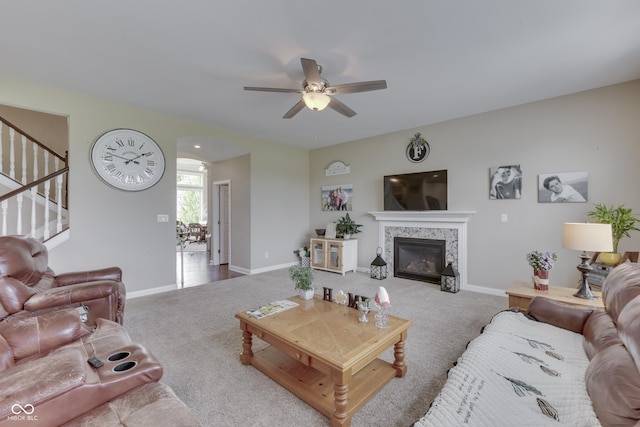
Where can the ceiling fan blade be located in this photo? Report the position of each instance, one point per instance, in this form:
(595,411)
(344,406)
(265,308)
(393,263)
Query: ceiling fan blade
(357,87)
(272,89)
(294,110)
(341,108)
(311,71)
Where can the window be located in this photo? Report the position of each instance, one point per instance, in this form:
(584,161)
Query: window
(190,197)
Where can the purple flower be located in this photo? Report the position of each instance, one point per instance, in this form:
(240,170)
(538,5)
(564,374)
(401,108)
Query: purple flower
(541,260)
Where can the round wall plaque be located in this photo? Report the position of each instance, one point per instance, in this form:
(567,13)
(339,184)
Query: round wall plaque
(418,149)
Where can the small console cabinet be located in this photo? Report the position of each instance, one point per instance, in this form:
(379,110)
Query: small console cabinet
(337,255)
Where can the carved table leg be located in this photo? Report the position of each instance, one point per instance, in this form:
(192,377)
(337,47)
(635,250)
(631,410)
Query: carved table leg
(398,354)
(340,417)
(247,353)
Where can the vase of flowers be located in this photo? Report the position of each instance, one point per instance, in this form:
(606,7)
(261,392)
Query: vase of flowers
(541,262)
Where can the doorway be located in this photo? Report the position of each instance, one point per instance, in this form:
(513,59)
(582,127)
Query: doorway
(221,224)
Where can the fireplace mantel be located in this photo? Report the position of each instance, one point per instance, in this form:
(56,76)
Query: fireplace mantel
(428,216)
(408,223)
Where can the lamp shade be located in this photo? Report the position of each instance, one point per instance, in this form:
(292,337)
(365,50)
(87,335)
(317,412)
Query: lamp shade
(316,100)
(589,237)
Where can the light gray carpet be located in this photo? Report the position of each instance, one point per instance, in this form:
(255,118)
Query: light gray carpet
(196,337)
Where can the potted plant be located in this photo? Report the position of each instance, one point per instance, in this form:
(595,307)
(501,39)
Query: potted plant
(541,262)
(303,280)
(347,227)
(622,221)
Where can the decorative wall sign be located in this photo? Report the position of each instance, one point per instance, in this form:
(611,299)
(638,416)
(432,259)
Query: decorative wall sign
(337,168)
(418,149)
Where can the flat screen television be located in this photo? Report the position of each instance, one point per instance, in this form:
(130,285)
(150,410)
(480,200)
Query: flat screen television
(420,191)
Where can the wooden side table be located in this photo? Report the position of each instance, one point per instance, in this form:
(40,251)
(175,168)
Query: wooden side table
(521,294)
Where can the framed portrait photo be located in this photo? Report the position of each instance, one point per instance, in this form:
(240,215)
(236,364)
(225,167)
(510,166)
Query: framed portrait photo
(337,197)
(505,182)
(563,187)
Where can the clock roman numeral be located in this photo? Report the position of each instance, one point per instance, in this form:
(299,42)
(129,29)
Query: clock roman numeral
(131,142)
(107,157)
(119,142)
(110,168)
(151,163)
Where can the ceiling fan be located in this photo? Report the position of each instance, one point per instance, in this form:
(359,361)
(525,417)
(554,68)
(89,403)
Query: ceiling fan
(317,93)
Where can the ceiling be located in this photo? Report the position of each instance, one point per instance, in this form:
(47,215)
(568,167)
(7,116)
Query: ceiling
(441,59)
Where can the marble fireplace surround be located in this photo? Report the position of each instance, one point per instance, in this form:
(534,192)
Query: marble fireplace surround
(450,226)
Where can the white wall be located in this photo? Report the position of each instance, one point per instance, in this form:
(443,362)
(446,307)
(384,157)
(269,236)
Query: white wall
(596,131)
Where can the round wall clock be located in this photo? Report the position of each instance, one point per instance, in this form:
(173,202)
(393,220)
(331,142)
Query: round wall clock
(127,159)
(418,149)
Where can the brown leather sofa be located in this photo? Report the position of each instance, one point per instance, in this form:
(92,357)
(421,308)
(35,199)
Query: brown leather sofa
(45,376)
(611,341)
(28,283)
(557,364)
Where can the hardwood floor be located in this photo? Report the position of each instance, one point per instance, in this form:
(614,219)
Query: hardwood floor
(198,271)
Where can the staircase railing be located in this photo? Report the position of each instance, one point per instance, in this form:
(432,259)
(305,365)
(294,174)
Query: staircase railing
(43,177)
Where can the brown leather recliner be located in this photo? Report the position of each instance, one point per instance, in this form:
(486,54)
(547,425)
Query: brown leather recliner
(28,283)
(44,374)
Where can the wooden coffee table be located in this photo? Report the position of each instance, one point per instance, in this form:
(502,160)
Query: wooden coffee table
(321,353)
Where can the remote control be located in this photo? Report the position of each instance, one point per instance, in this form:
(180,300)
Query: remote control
(95,362)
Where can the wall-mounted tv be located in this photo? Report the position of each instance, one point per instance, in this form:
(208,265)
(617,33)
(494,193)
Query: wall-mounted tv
(421,191)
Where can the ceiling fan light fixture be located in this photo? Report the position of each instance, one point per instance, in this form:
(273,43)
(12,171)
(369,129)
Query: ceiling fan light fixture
(316,101)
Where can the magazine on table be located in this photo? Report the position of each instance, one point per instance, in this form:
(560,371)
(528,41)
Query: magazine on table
(271,308)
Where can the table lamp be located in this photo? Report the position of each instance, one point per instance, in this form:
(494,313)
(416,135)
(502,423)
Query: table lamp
(586,237)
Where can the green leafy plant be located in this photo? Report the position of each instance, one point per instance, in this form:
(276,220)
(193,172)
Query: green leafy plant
(346,225)
(302,277)
(622,221)
(182,234)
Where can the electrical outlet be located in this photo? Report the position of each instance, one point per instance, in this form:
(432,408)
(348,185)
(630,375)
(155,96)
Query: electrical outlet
(266,254)
(503,217)
(163,218)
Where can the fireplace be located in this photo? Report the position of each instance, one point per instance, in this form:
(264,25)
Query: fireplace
(450,226)
(418,259)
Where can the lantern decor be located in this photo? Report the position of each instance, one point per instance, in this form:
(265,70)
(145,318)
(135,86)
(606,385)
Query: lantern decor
(378,266)
(449,279)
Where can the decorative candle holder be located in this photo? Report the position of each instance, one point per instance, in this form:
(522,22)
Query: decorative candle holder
(382,314)
(363,309)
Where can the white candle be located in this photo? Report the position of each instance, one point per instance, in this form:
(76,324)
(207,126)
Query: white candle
(382,297)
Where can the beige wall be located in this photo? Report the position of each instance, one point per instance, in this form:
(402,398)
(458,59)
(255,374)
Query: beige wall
(51,130)
(596,131)
(237,172)
(111,227)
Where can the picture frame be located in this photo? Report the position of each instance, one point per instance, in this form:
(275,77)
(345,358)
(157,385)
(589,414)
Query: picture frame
(505,182)
(563,187)
(337,197)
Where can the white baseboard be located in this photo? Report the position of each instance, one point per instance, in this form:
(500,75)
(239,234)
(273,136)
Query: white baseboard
(485,290)
(151,291)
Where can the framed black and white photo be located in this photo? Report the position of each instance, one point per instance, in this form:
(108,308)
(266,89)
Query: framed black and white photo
(505,182)
(563,187)
(337,197)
